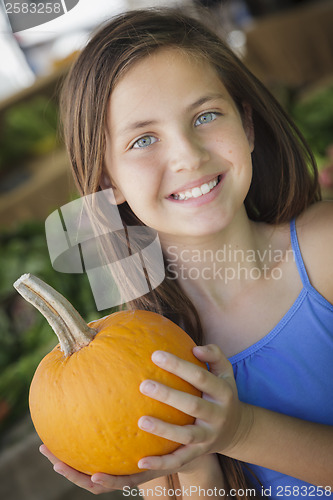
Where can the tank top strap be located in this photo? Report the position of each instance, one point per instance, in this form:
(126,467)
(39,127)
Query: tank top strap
(298,256)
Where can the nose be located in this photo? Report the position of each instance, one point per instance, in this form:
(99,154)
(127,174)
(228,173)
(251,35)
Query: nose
(186,153)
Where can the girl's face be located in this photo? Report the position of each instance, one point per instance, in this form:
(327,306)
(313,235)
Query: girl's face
(177,149)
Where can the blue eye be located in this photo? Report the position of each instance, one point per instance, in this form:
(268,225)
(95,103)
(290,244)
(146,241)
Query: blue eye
(144,142)
(205,118)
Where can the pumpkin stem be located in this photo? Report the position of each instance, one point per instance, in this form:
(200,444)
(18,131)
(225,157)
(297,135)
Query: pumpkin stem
(72,331)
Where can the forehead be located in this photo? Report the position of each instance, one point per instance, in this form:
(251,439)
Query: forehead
(167,58)
(162,77)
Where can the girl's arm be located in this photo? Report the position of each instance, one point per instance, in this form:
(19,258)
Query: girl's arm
(289,445)
(208,477)
(204,481)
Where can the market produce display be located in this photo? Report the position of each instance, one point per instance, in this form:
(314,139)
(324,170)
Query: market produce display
(85,400)
(313,113)
(25,337)
(29,129)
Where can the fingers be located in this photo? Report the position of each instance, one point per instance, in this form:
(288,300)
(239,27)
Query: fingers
(99,482)
(46,452)
(175,461)
(208,382)
(183,434)
(187,403)
(119,482)
(213,411)
(76,477)
(219,364)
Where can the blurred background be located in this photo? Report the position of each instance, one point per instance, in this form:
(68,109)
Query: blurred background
(288,44)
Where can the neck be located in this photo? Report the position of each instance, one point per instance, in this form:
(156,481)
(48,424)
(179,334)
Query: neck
(219,265)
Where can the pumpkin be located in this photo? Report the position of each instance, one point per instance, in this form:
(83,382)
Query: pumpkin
(84,398)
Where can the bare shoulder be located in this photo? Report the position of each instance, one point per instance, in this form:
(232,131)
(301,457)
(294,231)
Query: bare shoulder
(315,235)
(315,225)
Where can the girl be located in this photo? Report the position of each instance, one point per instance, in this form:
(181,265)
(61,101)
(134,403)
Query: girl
(160,110)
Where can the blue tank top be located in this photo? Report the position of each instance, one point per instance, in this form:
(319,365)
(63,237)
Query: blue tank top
(290,371)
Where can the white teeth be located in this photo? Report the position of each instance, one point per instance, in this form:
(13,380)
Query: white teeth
(197,191)
(205,188)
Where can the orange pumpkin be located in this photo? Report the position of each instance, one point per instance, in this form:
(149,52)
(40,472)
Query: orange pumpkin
(84,398)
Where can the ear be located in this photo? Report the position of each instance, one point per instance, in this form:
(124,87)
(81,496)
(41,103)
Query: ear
(106,183)
(248,124)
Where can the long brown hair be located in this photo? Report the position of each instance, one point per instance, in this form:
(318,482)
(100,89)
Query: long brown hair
(284,179)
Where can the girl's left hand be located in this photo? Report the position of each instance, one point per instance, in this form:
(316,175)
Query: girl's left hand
(222,421)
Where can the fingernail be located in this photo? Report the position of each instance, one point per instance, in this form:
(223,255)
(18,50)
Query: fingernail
(147,387)
(145,424)
(158,357)
(59,470)
(142,464)
(97,481)
(203,348)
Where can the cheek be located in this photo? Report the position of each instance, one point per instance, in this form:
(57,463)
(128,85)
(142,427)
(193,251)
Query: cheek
(235,151)
(146,179)
(142,195)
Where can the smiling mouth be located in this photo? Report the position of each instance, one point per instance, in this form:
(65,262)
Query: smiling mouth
(198,191)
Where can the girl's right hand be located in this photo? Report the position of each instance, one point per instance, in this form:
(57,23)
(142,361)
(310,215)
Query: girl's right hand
(103,483)
(97,483)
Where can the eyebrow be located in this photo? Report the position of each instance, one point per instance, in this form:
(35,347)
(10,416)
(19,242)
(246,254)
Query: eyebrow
(147,123)
(204,100)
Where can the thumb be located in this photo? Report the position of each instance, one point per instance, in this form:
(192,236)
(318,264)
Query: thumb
(218,363)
